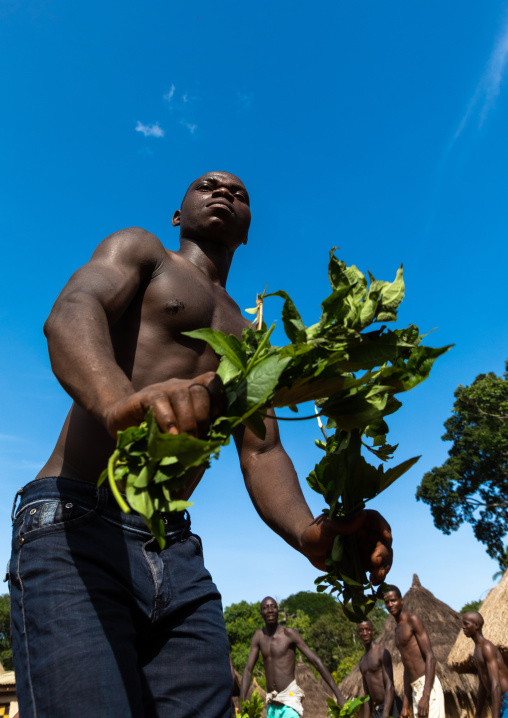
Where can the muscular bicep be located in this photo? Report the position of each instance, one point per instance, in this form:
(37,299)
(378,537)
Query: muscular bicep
(113,275)
(250,447)
(253,653)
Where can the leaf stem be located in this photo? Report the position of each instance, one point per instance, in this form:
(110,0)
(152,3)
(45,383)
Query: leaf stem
(288,418)
(260,347)
(112,483)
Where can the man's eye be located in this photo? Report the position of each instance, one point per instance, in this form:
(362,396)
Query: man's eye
(204,186)
(240,195)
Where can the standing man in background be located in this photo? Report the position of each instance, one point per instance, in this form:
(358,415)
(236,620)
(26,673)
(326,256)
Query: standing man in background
(278,645)
(492,670)
(377,673)
(422,687)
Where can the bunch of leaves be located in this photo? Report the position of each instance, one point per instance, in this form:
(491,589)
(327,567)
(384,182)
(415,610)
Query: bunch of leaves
(252,708)
(351,374)
(350,708)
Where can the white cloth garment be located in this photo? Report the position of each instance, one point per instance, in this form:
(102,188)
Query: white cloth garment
(436,700)
(291,696)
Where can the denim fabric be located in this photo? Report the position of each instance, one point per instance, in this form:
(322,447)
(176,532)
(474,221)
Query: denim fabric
(103,621)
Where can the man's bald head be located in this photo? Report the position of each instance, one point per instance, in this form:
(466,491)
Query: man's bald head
(475,617)
(209,175)
(266,599)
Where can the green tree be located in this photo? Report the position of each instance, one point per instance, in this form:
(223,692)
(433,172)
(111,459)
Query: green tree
(242,621)
(311,603)
(472,484)
(5,633)
(471,606)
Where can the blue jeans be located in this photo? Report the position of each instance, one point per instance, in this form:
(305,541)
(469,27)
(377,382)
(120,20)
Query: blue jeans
(103,621)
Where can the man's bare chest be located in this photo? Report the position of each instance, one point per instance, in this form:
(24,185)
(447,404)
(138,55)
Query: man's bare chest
(403,636)
(275,646)
(176,302)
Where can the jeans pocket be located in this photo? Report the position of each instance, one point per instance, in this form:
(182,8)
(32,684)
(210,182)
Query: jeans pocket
(49,515)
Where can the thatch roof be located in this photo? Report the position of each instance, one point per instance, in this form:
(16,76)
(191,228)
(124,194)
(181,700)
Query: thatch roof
(254,686)
(495,614)
(442,624)
(314,703)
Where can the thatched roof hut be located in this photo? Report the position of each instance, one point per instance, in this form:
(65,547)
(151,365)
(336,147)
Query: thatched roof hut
(314,703)
(495,614)
(442,624)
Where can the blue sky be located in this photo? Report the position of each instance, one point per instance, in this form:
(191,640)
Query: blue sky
(376,127)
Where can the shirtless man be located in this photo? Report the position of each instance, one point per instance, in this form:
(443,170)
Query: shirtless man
(421,685)
(278,646)
(377,673)
(102,618)
(492,670)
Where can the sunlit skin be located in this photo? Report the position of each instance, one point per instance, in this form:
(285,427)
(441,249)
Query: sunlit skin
(277,645)
(492,671)
(377,672)
(416,652)
(116,346)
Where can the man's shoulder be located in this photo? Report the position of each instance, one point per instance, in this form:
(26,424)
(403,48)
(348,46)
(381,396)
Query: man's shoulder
(488,649)
(135,242)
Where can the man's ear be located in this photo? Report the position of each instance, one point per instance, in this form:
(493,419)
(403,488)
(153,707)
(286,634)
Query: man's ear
(246,239)
(176,218)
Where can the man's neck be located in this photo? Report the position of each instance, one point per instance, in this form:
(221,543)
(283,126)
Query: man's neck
(478,638)
(212,258)
(368,646)
(272,629)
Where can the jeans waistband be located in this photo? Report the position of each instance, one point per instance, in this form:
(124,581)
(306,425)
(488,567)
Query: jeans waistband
(99,497)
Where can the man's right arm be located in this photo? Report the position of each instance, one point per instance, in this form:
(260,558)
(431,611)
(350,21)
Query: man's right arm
(251,662)
(387,669)
(408,697)
(368,707)
(80,346)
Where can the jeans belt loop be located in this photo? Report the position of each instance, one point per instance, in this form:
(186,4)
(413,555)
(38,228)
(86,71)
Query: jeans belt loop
(18,493)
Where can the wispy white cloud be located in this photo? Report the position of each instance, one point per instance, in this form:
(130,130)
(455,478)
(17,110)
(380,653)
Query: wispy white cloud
(169,95)
(489,87)
(150,130)
(191,127)
(185,98)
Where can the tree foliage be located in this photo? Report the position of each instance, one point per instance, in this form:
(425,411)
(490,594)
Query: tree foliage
(5,633)
(472,484)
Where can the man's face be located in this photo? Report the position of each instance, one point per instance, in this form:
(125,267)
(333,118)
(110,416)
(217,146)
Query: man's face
(469,625)
(366,632)
(393,603)
(269,611)
(215,207)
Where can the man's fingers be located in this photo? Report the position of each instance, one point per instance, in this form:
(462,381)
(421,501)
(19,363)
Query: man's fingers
(163,412)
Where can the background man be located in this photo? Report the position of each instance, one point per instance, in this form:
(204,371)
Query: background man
(101,616)
(421,685)
(492,670)
(377,673)
(278,646)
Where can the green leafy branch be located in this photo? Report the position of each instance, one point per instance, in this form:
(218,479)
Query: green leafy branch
(352,375)
(350,708)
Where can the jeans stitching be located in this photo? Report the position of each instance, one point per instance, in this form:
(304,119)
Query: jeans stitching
(29,674)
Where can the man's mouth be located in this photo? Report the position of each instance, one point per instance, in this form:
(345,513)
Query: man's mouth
(219,203)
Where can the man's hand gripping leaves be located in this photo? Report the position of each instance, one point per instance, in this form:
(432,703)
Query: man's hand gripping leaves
(350,373)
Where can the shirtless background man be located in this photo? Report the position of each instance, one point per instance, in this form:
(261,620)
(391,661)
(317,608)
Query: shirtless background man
(377,673)
(492,670)
(101,616)
(421,685)
(278,646)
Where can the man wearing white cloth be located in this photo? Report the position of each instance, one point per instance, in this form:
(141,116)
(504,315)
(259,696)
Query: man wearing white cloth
(422,687)
(278,646)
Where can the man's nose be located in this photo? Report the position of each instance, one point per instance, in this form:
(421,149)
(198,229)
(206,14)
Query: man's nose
(223,192)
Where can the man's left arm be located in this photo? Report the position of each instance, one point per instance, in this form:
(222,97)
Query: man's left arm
(425,646)
(490,657)
(387,669)
(273,486)
(318,665)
